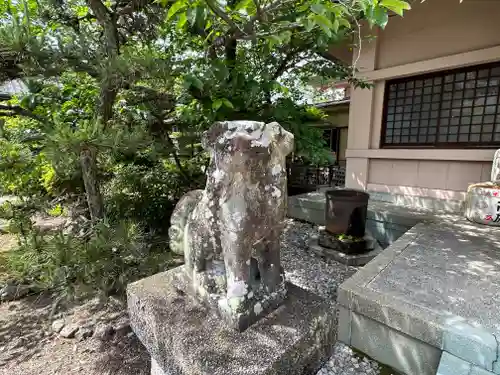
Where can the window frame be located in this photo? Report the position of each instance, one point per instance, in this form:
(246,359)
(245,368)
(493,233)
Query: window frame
(437,144)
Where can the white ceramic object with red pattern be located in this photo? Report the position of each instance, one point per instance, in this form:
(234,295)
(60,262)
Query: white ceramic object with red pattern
(482,203)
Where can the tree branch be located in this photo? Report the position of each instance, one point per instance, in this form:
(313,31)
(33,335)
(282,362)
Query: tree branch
(221,14)
(283,66)
(176,158)
(107,22)
(243,36)
(132,7)
(77,65)
(109,90)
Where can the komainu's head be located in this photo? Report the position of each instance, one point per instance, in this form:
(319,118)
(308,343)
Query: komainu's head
(245,135)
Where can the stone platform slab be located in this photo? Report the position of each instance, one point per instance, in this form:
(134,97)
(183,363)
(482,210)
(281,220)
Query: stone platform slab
(184,338)
(434,290)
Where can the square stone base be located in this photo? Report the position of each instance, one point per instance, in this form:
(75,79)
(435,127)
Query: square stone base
(185,338)
(259,305)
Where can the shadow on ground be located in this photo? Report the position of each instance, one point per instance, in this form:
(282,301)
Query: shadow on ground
(125,356)
(24,327)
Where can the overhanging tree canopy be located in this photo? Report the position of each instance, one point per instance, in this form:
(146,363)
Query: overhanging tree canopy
(101,71)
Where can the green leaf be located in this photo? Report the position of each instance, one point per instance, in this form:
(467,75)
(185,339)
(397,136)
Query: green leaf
(318,8)
(344,22)
(197,83)
(309,25)
(397,6)
(303,8)
(192,80)
(324,23)
(335,25)
(182,21)
(251,8)
(216,104)
(381,17)
(81,10)
(227,103)
(200,17)
(272,40)
(175,8)
(191,16)
(378,16)
(243,4)
(286,36)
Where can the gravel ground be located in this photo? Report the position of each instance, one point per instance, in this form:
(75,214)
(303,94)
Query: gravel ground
(305,269)
(345,362)
(323,277)
(28,347)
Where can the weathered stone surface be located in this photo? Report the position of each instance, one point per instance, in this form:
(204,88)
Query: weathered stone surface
(83,333)
(122,327)
(69,330)
(437,284)
(229,232)
(58,325)
(184,338)
(451,365)
(103,331)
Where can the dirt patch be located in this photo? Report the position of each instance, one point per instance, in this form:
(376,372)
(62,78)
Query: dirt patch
(29,347)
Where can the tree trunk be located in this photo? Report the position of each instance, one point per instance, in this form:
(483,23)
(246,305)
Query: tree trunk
(88,163)
(109,89)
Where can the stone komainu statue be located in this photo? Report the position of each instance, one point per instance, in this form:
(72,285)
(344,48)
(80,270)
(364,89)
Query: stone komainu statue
(230,232)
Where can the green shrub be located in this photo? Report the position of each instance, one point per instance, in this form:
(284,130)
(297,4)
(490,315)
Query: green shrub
(148,194)
(20,169)
(105,260)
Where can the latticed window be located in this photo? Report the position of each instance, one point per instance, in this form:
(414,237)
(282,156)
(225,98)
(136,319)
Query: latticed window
(458,108)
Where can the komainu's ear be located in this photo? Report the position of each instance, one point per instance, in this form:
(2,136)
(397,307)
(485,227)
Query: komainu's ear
(284,139)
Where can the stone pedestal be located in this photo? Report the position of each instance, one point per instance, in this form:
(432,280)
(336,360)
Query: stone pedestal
(185,338)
